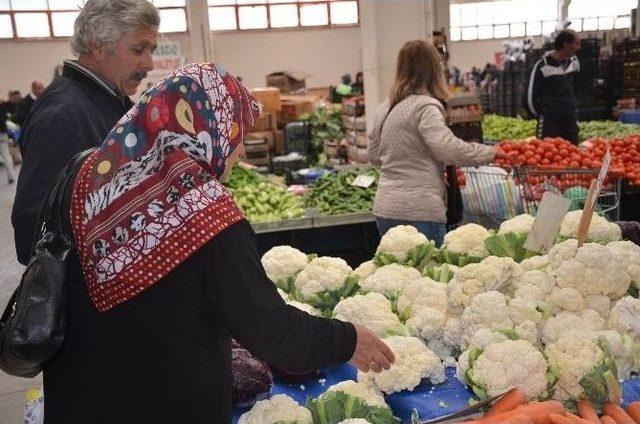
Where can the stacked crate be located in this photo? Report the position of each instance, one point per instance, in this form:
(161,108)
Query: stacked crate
(511,88)
(355,128)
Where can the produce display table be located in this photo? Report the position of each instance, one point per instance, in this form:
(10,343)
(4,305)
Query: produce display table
(430,401)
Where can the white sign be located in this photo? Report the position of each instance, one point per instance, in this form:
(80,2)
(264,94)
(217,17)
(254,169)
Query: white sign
(363,181)
(551,212)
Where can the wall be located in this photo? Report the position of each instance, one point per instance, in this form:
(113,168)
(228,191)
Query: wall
(326,53)
(467,54)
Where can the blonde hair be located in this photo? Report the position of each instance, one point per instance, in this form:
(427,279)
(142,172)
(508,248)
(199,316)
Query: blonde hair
(419,71)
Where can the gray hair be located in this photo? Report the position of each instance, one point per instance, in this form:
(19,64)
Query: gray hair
(105,22)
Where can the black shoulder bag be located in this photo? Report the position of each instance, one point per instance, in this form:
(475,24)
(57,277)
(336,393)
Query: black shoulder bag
(32,327)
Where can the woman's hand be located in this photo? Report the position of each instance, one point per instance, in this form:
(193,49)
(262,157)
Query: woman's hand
(371,353)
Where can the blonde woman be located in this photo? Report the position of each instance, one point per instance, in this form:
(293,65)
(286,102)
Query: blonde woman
(411,144)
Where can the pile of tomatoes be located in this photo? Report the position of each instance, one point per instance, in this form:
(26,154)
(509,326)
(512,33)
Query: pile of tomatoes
(559,154)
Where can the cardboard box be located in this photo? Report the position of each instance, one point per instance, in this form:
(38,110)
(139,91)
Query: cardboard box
(321,93)
(268,121)
(268,136)
(287,81)
(269,97)
(293,107)
(278,145)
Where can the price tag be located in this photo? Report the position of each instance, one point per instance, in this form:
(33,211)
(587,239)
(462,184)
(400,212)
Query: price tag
(592,197)
(551,212)
(363,181)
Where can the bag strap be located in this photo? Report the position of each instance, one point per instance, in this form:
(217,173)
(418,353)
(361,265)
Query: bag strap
(51,217)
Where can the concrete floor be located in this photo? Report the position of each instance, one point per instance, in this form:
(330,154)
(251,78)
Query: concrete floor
(12,389)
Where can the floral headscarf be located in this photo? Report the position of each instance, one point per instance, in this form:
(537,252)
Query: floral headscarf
(150,196)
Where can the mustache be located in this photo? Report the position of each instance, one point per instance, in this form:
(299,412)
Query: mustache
(139,76)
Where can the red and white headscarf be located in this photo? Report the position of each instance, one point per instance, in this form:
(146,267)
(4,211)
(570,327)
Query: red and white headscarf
(149,197)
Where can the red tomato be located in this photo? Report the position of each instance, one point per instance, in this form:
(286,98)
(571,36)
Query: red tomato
(545,161)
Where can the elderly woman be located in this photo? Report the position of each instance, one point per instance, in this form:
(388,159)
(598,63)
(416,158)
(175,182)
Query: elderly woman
(411,143)
(114,41)
(167,270)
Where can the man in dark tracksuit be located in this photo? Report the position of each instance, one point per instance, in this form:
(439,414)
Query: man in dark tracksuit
(79,109)
(550,95)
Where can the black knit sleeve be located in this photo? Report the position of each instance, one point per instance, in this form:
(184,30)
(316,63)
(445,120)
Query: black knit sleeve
(257,317)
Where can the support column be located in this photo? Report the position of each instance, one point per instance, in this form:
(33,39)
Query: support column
(384,27)
(199,31)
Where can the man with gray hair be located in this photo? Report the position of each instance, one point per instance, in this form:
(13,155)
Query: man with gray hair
(114,41)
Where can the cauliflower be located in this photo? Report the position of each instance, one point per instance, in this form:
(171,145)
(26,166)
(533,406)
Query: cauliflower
(365,269)
(390,280)
(324,282)
(440,273)
(404,244)
(354,421)
(585,321)
(414,361)
(502,366)
(535,263)
(453,332)
(283,263)
(600,230)
(420,294)
(586,368)
(518,224)
(373,311)
(486,336)
(369,394)
(625,351)
(543,282)
(492,273)
(283,295)
(528,331)
(465,245)
(599,303)
(280,408)
(487,310)
(628,254)
(567,298)
(524,308)
(592,269)
(625,317)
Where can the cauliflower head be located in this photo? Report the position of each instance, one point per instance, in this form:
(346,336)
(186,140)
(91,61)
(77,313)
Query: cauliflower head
(518,224)
(369,394)
(279,408)
(625,317)
(453,332)
(585,367)
(467,240)
(594,269)
(543,281)
(567,298)
(624,350)
(535,263)
(414,361)
(398,241)
(365,269)
(493,273)
(502,366)
(585,321)
(390,280)
(599,303)
(487,310)
(600,230)
(354,421)
(423,305)
(283,262)
(628,254)
(371,310)
(322,274)
(305,307)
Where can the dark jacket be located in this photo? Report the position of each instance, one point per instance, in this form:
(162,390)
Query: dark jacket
(23,109)
(164,356)
(550,87)
(75,113)
(7,110)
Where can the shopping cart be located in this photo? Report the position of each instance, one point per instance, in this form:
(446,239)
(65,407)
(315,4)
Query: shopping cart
(490,195)
(573,184)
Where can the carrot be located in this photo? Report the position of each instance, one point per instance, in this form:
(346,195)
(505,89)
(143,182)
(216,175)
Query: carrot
(634,411)
(518,419)
(577,420)
(587,411)
(559,419)
(617,413)
(538,412)
(511,400)
(605,419)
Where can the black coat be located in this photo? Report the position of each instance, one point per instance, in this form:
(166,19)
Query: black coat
(75,113)
(164,356)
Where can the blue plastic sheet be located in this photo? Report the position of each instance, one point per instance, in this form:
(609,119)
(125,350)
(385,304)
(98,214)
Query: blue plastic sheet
(430,401)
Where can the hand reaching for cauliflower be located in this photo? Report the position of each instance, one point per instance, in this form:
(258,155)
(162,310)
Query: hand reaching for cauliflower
(371,353)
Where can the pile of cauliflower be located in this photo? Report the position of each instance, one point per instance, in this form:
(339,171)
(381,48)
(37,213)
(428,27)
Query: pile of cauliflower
(546,324)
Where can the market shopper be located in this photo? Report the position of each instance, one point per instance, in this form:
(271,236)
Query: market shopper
(114,41)
(550,92)
(411,144)
(167,270)
(7,112)
(24,106)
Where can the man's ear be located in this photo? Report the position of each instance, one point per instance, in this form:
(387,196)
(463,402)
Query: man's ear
(98,51)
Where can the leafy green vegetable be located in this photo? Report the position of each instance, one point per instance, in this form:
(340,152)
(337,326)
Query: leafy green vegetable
(606,129)
(500,128)
(334,406)
(441,274)
(418,257)
(509,245)
(327,300)
(459,259)
(326,125)
(333,194)
(601,383)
